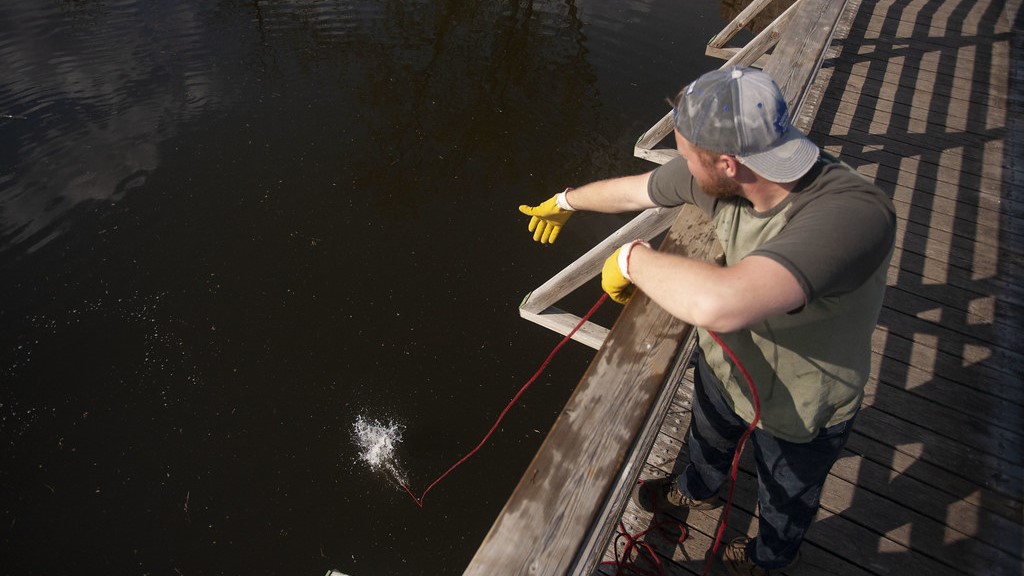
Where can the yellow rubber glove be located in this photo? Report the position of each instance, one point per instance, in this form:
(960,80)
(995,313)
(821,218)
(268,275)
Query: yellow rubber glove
(546,219)
(615,278)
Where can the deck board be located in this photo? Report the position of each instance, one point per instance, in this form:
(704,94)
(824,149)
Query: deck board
(924,98)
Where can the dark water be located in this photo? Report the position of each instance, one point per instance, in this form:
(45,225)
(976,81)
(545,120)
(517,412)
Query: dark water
(228,229)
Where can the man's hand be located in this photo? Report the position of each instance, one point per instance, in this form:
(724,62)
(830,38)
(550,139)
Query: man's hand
(548,218)
(615,278)
(614,282)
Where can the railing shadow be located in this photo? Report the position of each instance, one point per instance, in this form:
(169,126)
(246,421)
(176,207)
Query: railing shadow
(941,475)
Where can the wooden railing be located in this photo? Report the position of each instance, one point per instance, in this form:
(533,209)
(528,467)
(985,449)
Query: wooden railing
(561,515)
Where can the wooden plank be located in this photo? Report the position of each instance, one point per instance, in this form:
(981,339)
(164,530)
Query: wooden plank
(989,441)
(551,514)
(911,10)
(959,518)
(1005,357)
(861,100)
(987,409)
(562,322)
(981,263)
(947,284)
(929,174)
(947,201)
(977,235)
(905,526)
(981,327)
(799,54)
(956,268)
(922,252)
(965,146)
(745,17)
(940,173)
(880,88)
(813,99)
(730,53)
(921,60)
(754,51)
(927,355)
(886,95)
(1001,360)
(870,139)
(945,254)
(621,493)
(929,59)
(998,475)
(887,32)
(936,22)
(979,301)
(934,334)
(943,480)
(946,167)
(656,155)
(939,165)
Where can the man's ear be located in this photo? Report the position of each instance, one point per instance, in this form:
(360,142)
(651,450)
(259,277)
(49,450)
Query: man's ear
(732,165)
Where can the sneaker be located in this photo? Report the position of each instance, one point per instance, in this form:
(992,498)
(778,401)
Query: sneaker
(663,494)
(737,563)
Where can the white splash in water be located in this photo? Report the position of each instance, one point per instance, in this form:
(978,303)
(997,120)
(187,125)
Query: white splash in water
(377,443)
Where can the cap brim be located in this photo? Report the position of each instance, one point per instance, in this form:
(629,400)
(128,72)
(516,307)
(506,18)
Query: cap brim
(787,161)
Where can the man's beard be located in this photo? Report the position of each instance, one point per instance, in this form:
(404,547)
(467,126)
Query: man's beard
(719,187)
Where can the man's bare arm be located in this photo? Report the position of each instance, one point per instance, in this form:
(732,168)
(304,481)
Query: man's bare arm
(718,298)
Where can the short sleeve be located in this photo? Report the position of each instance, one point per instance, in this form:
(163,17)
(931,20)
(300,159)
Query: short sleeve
(834,243)
(672,184)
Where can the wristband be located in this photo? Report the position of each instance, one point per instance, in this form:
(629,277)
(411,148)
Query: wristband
(563,202)
(624,253)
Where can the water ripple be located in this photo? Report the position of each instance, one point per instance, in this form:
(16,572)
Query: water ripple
(87,98)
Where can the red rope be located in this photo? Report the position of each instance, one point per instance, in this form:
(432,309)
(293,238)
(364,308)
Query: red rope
(739,450)
(419,501)
(638,550)
(636,544)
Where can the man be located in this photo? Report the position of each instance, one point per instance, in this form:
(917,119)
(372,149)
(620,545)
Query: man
(807,244)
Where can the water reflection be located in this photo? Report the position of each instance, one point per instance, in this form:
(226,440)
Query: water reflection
(93,91)
(228,228)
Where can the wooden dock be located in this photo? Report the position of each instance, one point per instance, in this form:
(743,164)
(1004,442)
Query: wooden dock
(925,97)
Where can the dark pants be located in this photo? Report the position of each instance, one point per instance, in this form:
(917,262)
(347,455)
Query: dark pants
(789,475)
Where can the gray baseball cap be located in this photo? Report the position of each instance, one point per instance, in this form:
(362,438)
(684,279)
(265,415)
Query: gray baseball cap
(741,112)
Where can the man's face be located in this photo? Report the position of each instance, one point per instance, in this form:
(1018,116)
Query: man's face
(707,170)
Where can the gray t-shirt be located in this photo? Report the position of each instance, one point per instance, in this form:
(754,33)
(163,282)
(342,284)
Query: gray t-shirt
(835,234)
